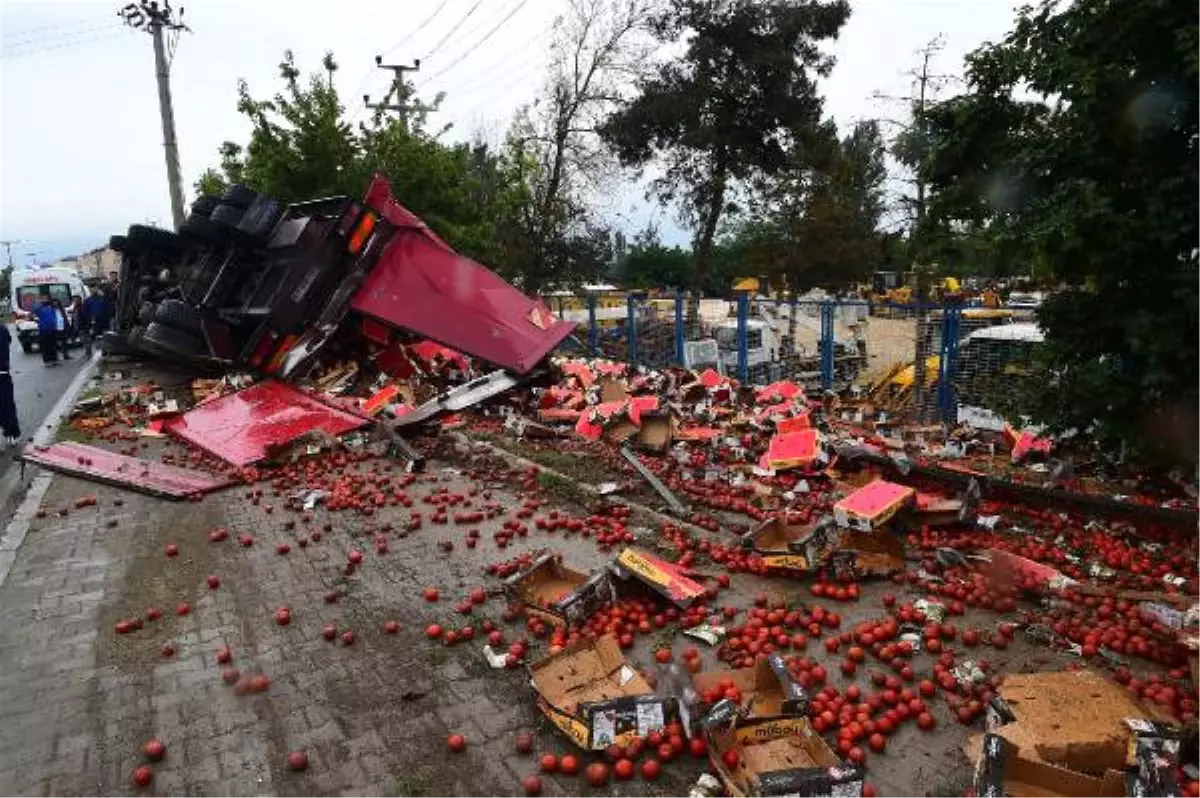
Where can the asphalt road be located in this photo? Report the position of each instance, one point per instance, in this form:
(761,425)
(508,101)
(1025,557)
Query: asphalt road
(37,388)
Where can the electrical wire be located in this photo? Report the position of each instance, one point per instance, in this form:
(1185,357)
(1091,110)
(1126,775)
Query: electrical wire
(418,29)
(5,55)
(55,25)
(475,46)
(362,84)
(487,75)
(457,25)
(48,37)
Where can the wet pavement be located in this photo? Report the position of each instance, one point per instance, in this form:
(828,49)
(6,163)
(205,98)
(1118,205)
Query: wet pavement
(78,700)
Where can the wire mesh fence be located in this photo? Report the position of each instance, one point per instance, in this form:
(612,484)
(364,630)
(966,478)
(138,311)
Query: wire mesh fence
(918,361)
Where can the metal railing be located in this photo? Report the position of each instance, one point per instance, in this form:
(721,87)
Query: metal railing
(872,350)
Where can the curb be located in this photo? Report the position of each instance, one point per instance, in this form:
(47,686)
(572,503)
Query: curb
(17,527)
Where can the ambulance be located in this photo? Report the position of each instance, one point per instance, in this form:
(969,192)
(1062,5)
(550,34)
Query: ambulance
(30,287)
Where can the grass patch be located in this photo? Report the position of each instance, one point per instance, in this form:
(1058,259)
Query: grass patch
(562,489)
(68,434)
(414,782)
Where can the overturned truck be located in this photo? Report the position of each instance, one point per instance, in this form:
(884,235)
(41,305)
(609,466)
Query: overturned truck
(250,282)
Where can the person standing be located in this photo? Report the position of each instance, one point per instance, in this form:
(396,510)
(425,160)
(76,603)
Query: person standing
(62,328)
(47,320)
(10,425)
(94,321)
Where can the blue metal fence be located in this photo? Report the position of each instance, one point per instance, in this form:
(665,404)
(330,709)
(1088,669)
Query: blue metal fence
(826,344)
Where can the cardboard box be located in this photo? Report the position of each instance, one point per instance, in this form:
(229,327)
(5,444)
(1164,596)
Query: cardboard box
(559,595)
(1001,770)
(873,505)
(1071,719)
(657,432)
(768,689)
(798,548)
(664,578)
(1156,750)
(779,756)
(862,554)
(590,692)
(799,449)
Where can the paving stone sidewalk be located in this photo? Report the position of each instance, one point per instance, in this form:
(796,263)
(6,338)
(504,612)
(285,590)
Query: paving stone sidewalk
(77,700)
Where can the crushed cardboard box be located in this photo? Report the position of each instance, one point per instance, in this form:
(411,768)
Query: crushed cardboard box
(558,594)
(594,696)
(768,689)
(792,547)
(778,756)
(1075,720)
(866,554)
(1002,770)
(666,579)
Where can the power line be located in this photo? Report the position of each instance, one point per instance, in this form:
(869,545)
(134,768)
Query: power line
(487,74)
(457,25)
(475,46)
(419,28)
(53,35)
(520,71)
(21,53)
(55,25)
(362,84)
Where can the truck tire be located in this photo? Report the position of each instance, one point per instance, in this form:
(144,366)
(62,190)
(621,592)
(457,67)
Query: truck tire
(117,243)
(203,206)
(239,196)
(227,215)
(146,313)
(178,314)
(168,341)
(152,237)
(200,228)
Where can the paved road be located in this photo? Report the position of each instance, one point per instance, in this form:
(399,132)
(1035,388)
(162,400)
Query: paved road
(37,388)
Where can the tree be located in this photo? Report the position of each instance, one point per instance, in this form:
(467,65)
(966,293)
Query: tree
(1075,146)
(817,222)
(301,147)
(650,264)
(741,97)
(554,145)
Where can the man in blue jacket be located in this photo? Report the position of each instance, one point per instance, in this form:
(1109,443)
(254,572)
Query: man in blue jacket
(95,319)
(47,320)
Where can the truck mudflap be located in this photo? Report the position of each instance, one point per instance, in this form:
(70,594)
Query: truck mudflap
(420,284)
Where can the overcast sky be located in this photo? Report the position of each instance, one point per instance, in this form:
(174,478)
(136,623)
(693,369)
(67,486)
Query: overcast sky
(81,155)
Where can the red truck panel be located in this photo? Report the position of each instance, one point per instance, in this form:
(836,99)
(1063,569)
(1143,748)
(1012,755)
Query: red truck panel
(241,427)
(421,284)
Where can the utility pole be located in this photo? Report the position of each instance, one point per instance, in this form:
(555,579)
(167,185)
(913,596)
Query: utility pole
(149,16)
(925,83)
(400,90)
(8,245)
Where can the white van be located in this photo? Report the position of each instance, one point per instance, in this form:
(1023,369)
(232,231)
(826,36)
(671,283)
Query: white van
(30,287)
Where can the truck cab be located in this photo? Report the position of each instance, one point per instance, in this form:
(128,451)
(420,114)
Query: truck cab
(251,281)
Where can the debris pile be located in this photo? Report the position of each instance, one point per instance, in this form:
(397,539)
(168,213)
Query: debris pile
(777,584)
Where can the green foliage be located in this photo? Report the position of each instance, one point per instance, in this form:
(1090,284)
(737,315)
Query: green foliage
(1074,151)
(739,103)
(818,220)
(649,264)
(477,199)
